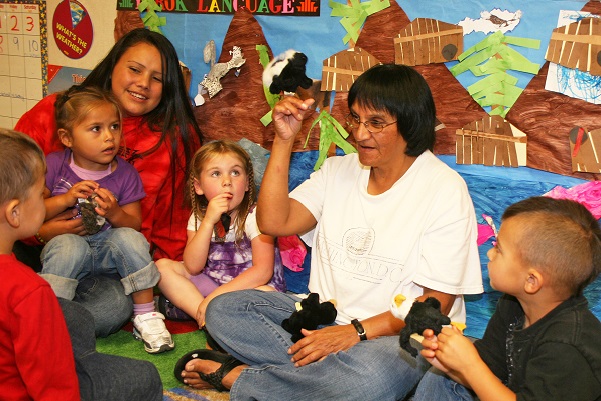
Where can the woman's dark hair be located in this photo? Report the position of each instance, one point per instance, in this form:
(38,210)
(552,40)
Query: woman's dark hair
(174,113)
(404,94)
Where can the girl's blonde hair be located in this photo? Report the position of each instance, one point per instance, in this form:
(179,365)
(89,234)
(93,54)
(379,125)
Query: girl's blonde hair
(199,203)
(74,104)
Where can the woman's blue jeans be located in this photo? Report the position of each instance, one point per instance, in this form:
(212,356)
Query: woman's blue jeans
(247,324)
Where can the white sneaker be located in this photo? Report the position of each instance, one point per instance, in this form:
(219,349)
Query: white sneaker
(151,329)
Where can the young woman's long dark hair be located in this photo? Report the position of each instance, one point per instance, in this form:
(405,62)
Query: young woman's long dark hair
(173,115)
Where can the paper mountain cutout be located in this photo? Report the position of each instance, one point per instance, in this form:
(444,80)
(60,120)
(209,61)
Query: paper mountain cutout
(426,41)
(454,106)
(577,45)
(548,116)
(585,148)
(235,112)
(490,142)
(340,70)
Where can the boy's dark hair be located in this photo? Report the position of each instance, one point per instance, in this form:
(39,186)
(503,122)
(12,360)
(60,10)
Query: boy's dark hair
(404,94)
(22,163)
(562,238)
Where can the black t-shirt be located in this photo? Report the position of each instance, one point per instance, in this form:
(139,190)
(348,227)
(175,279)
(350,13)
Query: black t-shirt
(556,358)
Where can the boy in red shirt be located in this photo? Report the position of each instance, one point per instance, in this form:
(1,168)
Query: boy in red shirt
(36,358)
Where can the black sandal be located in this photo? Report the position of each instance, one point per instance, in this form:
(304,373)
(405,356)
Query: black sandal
(211,343)
(228,363)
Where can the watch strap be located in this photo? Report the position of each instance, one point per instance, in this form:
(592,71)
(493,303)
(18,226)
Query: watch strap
(360,330)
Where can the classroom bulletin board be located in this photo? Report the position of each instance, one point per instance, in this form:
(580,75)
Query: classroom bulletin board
(23,57)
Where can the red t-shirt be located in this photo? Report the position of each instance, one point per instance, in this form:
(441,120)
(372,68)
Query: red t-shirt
(164,215)
(36,357)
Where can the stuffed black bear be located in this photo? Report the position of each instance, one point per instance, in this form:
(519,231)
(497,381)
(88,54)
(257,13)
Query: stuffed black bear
(422,316)
(309,315)
(287,72)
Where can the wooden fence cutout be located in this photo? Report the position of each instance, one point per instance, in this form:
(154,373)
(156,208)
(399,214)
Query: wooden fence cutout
(577,45)
(340,70)
(490,142)
(585,148)
(426,41)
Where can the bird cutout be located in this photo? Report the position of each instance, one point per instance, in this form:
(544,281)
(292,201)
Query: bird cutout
(212,80)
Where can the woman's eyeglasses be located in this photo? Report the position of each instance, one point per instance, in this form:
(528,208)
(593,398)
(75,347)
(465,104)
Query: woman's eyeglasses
(373,127)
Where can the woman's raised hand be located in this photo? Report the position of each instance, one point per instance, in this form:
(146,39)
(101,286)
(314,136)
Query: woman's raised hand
(288,115)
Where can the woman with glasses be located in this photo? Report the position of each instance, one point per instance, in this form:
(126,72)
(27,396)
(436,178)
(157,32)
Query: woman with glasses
(390,219)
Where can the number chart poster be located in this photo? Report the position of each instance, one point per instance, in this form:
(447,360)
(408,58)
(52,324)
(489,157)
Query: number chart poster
(23,57)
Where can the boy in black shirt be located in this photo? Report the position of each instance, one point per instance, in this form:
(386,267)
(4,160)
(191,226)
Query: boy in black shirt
(542,342)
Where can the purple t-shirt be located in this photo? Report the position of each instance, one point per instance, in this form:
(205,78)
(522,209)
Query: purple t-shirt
(124,182)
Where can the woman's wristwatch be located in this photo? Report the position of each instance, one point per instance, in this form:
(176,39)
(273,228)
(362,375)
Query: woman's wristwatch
(360,330)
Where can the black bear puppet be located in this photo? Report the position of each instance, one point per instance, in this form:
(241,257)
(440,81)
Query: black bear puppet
(422,316)
(309,314)
(286,73)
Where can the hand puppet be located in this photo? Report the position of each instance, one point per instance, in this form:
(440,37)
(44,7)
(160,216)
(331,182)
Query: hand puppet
(92,221)
(309,314)
(222,227)
(286,73)
(422,316)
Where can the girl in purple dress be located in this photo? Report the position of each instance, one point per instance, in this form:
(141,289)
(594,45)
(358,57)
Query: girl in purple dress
(225,250)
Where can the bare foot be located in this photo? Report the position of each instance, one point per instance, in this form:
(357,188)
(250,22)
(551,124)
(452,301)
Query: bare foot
(195,366)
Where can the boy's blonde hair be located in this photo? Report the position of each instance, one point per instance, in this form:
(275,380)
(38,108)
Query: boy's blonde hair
(562,238)
(206,153)
(22,162)
(74,104)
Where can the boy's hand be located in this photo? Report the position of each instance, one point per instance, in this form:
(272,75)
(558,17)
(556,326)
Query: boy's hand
(455,351)
(82,189)
(430,344)
(108,205)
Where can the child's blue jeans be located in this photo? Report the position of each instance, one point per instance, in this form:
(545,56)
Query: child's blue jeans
(68,258)
(435,385)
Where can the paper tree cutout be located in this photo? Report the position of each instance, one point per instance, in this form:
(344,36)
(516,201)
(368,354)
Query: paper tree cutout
(577,45)
(151,20)
(493,57)
(425,41)
(491,142)
(330,132)
(340,70)
(354,15)
(585,148)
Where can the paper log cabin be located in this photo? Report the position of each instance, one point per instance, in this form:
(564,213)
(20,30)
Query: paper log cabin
(577,45)
(585,149)
(340,70)
(425,41)
(492,142)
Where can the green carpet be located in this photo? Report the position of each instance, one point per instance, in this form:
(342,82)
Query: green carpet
(123,343)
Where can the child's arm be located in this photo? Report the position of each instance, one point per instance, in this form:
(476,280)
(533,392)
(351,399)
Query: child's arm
(197,248)
(455,355)
(129,215)
(261,271)
(59,203)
